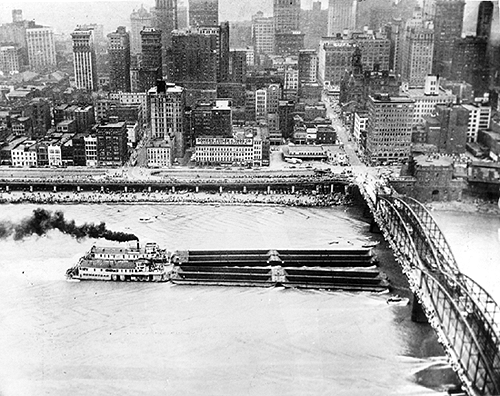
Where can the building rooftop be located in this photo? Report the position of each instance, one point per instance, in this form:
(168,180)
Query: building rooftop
(385,98)
(433,160)
(158,143)
(419,92)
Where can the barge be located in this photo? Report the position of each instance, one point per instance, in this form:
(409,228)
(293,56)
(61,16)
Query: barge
(333,269)
(140,264)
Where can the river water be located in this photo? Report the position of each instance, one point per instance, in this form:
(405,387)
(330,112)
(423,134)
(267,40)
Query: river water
(104,338)
(474,239)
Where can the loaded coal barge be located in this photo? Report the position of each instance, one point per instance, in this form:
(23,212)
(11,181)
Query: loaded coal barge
(352,269)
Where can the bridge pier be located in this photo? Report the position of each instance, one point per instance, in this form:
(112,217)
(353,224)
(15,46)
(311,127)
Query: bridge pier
(244,189)
(269,189)
(55,189)
(220,190)
(197,189)
(78,188)
(374,228)
(7,189)
(31,188)
(173,189)
(417,312)
(293,189)
(126,189)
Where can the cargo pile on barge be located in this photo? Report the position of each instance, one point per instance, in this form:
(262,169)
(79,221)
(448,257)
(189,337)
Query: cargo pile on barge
(335,269)
(339,269)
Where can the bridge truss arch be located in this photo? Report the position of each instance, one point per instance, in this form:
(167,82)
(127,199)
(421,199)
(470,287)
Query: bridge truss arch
(461,312)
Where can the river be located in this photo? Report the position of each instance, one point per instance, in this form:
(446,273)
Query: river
(474,239)
(103,338)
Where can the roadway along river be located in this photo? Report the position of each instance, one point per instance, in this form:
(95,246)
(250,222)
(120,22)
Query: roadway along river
(104,338)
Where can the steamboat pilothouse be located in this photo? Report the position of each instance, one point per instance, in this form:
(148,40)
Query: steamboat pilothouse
(143,264)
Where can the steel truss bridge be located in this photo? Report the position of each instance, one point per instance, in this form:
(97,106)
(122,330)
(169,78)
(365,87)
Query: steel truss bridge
(464,316)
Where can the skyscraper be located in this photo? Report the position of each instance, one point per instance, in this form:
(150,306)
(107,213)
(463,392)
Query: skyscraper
(168,102)
(165,20)
(139,20)
(417,51)
(286,15)
(484,19)
(84,59)
(201,54)
(9,59)
(341,16)
(448,24)
(263,33)
(203,12)
(194,57)
(119,60)
(150,67)
(41,47)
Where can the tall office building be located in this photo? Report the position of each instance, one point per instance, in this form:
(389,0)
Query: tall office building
(470,63)
(448,24)
(201,54)
(9,59)
(395,33)
(263,33)
(334,58)
(417,51)
(119,60)
(139,20)
(388,129)
(165,20)
(308,66)
(150,66)
(286,15)
(84,59)
(168,102)
(341,15)
(203,13)
(41,47)
(194,57)
(484,19)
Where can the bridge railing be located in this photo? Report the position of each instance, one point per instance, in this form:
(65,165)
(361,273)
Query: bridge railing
(459,310)
(435,234)
(482,298)
(459,331)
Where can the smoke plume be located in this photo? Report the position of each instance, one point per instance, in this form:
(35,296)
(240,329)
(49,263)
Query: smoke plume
(42,221)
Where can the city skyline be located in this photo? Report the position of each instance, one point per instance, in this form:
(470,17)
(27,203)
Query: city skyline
(114,13)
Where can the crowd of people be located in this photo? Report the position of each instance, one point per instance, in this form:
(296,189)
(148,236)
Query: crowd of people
(307,199)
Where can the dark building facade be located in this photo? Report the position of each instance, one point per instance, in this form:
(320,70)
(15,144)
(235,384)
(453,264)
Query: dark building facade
(237,66)
(447,130)
(165,20)
(150,67)
(119,60)
(286,15)
(112,148)
(288,43)
(194,57)
(308,66)
(470,63)
(203,12)
(211,118)
(448,24)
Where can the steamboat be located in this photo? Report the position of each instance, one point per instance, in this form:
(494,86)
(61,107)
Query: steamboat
(141,264)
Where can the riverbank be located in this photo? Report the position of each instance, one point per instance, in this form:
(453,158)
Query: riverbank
(465,206)
(225,198)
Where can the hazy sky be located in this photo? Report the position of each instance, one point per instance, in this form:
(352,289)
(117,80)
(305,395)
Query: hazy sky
(64,15)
